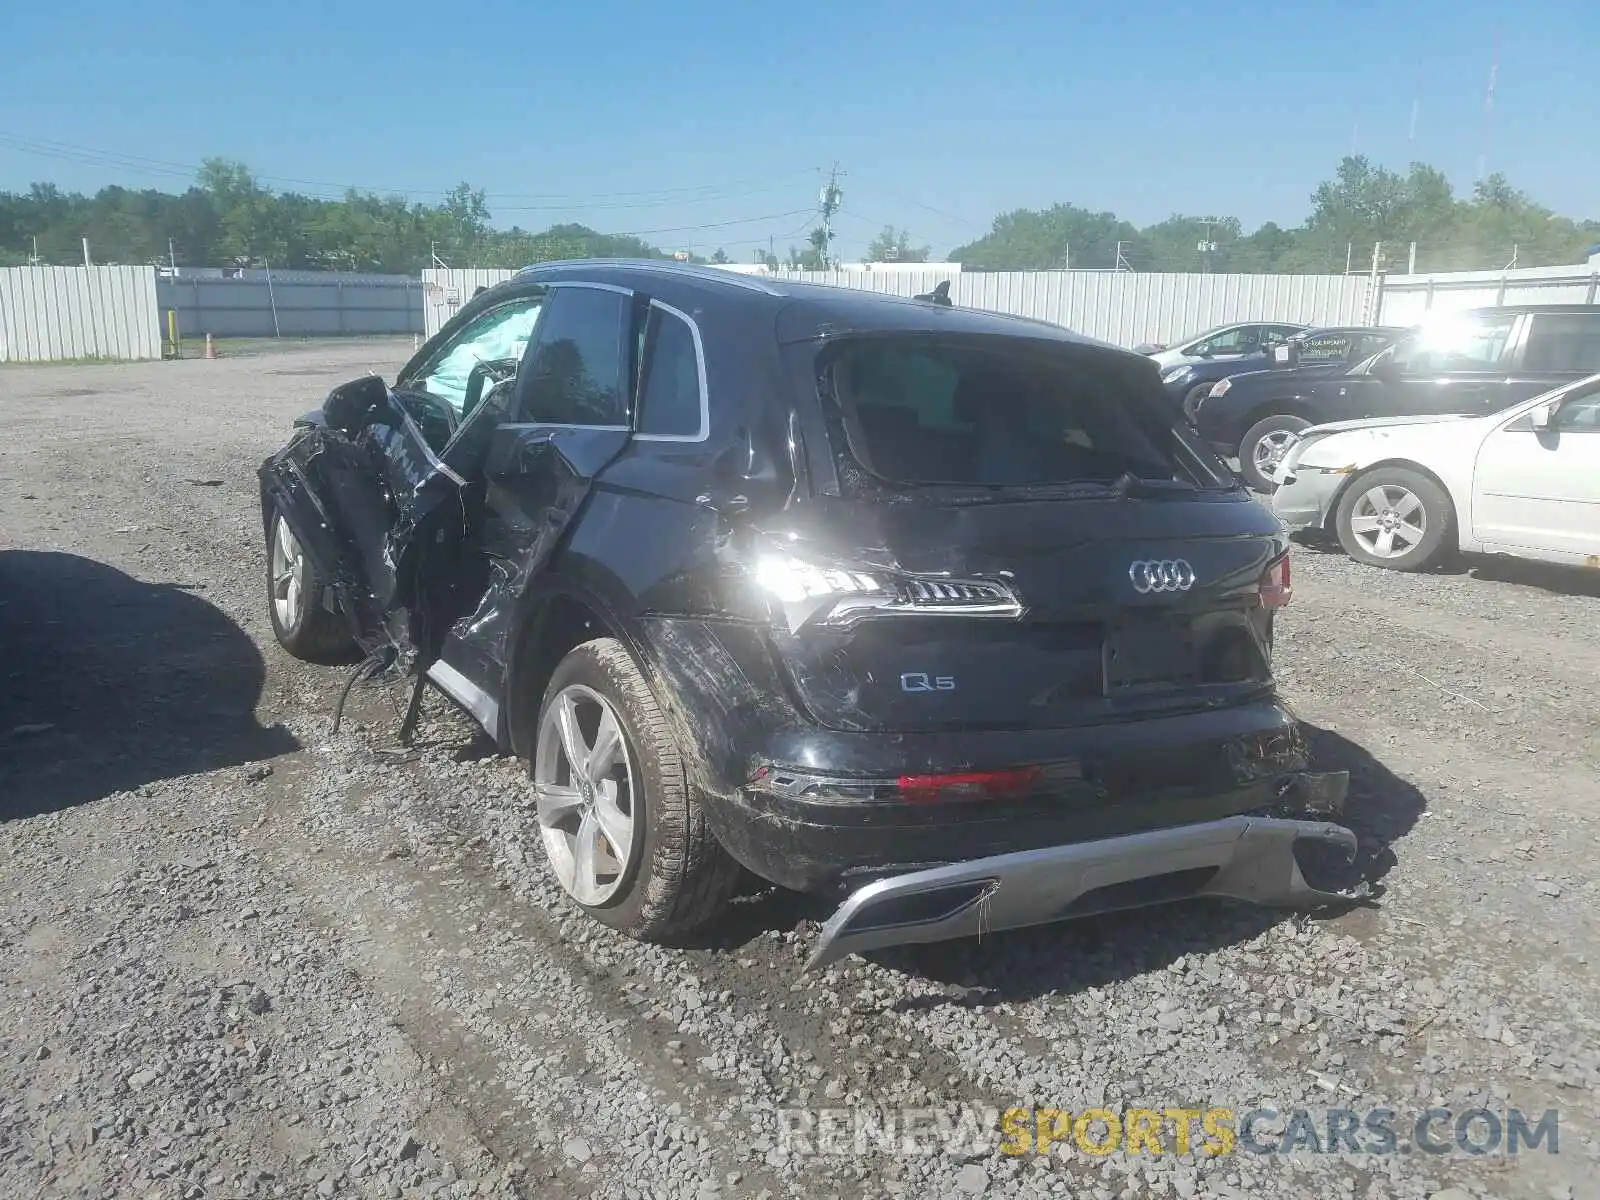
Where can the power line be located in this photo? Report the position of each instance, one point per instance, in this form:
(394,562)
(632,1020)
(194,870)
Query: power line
(711,224)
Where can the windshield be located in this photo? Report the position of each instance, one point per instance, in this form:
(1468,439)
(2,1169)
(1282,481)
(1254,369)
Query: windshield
(993,415)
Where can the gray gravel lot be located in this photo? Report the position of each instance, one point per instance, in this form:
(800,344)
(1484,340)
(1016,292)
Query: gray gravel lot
(241,958)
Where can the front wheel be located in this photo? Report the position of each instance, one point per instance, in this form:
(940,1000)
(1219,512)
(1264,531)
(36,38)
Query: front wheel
(1263,448)
(1395,518)
(1193,397)
(296,601)
(625,836)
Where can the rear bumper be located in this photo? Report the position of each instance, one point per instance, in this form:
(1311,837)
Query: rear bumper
(822,810)
(1245,858)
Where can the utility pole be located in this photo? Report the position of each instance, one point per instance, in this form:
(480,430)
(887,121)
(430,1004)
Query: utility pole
(172,257)
(1488,109)
(832,194)
(34,261)
(86,261)
(1207,247)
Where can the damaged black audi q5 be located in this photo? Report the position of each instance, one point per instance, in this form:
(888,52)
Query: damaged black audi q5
(943,612)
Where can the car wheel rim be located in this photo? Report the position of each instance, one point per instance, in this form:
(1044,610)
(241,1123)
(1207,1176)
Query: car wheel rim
(288,576)
(1270,450)
(1388,520)
(585,791)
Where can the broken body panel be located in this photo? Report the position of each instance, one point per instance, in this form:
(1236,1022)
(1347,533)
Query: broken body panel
(866,679)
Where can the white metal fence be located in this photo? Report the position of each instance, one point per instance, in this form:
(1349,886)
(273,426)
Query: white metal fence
(1407,299)
(446,291)
(1121,307)
(53,313)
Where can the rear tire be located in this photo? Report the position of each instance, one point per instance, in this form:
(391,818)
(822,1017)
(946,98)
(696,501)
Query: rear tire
(672,877)
(1264,444)
(297,601)
(1396,518)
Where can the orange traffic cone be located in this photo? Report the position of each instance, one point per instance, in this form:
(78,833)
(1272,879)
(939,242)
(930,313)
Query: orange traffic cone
(211,349)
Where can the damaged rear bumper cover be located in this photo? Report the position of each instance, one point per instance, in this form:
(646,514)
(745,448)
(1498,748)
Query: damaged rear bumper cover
(1243,857)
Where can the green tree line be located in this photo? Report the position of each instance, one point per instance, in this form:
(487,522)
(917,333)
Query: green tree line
(229,218)
(1364,209)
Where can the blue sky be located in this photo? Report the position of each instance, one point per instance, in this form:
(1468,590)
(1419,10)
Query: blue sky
(708,121)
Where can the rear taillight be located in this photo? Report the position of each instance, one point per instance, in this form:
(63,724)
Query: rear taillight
(1276,589)
(842,595)
(968,785)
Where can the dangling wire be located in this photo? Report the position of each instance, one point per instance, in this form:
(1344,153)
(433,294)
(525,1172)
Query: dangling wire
(366,669)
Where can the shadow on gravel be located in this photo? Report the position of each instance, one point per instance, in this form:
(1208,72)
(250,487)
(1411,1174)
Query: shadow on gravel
(107,683)
(1097,951)
(1549,577)
(1491,568)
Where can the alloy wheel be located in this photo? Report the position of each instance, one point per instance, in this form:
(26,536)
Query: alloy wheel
(288,576)
(585,790)
(1269,452)
(1388,520)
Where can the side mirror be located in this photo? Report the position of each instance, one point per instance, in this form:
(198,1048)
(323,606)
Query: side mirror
(1543,416)
(351,405)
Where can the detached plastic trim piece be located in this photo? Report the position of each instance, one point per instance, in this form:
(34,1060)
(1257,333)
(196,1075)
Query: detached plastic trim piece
(1245,858)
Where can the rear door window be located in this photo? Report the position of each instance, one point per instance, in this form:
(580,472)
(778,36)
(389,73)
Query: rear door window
(996,416)
(1565,342)
(576,364)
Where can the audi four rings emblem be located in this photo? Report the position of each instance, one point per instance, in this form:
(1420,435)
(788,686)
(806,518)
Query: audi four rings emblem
(1161,575)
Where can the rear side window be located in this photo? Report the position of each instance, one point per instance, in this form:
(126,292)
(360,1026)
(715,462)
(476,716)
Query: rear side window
(671,403)
(1001,415)
(575,365)
(1564,342)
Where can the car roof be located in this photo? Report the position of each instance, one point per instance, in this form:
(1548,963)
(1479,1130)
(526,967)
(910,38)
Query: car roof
(1512,309)
(1326,329)
(807,309)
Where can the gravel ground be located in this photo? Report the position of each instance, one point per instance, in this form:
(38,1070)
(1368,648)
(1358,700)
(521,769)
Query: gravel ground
(242,958)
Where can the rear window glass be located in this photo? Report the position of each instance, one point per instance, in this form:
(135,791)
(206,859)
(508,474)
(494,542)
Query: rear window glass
(1564,342)
(924,413)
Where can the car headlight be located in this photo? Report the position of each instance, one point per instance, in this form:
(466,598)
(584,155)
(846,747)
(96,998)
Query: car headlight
(1177,374)
(1220,388)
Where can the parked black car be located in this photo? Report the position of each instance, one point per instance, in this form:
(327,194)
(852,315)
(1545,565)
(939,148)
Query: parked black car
(943,608)
(1189,383)
(1476,361)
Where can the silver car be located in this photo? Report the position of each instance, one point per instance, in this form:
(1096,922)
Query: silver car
(1223,341)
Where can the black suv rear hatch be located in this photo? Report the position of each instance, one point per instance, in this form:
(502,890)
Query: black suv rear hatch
(1012,533)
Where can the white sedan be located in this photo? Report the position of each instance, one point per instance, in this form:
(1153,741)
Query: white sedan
(1404,492)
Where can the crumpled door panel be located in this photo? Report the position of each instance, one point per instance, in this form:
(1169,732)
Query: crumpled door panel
(536,479)
(385,522)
